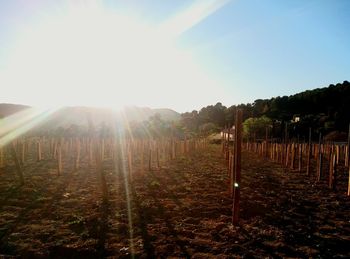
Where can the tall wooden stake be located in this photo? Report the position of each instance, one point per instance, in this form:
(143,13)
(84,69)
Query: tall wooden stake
(320,159)
(300,157)
(2,161)
(59,157)
(347,162)
(39,150)
(349,181)
(237,180)
(308,154)
(77,155)
(18,166)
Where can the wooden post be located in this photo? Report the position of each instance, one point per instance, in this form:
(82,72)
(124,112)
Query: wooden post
(332,170)
(2,160)
(90,144)
(293,156)
(39,150)
(174,149)
(347,162)
(23,152)
(59,157)
(337,150)
(287,154)
(102,149)
(54,154)
(237,180)
(309,154)
(349,181)
(320,158)
(77,154)
(266,141)
(18,166)
(52,147)
(150,159)
(142,157)
(231,172)
(223,141)
(300,157)
(158,166)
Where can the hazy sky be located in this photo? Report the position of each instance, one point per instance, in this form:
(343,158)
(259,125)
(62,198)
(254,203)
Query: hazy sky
(169,53)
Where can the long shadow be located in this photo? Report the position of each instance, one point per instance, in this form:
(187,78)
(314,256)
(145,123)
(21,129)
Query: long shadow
(148,247)
(103,229)
(161,212)
(164,215)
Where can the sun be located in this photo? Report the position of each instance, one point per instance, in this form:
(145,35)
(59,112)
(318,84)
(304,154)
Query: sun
(92,56)
(87,56)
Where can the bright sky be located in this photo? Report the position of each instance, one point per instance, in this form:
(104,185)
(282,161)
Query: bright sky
(176,54)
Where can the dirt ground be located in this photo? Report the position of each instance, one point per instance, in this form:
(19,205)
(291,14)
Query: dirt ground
(181,210)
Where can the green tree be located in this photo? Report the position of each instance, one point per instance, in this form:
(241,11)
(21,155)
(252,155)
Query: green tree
(256,127)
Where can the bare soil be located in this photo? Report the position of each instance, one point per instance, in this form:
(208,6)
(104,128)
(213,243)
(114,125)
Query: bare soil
(181,210)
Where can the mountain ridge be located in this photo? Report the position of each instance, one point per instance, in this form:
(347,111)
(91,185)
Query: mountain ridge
(68,115)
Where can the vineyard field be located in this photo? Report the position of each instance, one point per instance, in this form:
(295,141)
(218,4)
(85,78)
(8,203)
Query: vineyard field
(181,209)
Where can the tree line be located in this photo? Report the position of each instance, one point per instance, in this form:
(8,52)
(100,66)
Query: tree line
(325,110)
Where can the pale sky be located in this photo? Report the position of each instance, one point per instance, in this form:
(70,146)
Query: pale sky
(173,54)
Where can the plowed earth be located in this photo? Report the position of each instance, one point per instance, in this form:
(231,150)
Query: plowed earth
(181,210)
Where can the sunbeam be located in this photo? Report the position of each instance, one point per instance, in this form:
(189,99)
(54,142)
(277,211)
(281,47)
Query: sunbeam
(19,123)
(194,14)
(122,145)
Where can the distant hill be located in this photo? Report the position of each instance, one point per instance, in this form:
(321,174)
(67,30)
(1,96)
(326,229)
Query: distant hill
(7,109)
(66,116)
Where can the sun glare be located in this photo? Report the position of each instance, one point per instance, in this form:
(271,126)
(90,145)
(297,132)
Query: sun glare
(90,55)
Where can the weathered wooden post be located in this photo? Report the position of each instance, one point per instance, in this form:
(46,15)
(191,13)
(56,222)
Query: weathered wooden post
(157,154)
(300,157)
(223,141)
(59,156)
(2,160)
(102,149)
(237,178)
(332,170)
(39,150)
(17,164)
(347,160)
(267,142)
(320,158)
(90,151)
(309,149)
(292,156)
(349,181)
(23,146)
(77,154)
(142,157)
(150,158)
